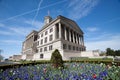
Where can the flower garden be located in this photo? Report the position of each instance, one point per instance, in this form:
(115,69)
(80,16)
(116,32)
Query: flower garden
(71,71)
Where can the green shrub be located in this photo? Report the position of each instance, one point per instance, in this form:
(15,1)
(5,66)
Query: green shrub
(56,59)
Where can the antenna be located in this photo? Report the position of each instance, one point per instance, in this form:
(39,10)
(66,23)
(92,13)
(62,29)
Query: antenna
(48,13)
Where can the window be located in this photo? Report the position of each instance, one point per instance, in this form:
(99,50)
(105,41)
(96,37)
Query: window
(36,50)
(40,49)
(73,47)
(50,47)
(42,35)
(51,30)
(77,48)
(35,37)
(41,41)
(64,46)
(50,37)
(41,55)
(38,37)
(38,43)
(46,33)
(69,47)
(45,40)
(45,48)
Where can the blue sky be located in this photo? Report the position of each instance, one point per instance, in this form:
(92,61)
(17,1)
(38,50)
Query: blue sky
(99,20)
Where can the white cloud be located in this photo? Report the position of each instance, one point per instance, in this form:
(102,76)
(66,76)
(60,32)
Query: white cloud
(110,41)
(36,24)
(6,42)
(81,8)
(92,29)
(23,28)
(5,33)
(20,30)
(16,31)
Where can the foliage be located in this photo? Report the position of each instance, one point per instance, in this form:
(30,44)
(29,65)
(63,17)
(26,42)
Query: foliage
(103,54)
(117,52)
(111,52)
(74,71)
(1,57)
(56,59)
(90,59)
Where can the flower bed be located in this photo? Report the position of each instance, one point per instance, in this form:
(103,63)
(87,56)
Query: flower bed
(72,71)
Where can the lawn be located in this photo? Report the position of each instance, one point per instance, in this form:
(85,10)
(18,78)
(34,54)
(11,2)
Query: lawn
(71,71)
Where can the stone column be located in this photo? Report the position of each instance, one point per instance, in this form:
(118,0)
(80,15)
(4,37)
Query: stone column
(73,37)
(65,33)
(69,35)
(82,41)
(79,38)
(59,30)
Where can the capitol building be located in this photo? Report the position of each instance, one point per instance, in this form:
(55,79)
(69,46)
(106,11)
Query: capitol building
(61,33)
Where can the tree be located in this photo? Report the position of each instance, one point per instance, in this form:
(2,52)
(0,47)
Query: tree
(110,52)
(103,54)
(1,57)
(117,52)
(56,59)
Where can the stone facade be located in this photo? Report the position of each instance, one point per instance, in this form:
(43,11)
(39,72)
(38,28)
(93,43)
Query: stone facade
(61,33)
(29,45)
(90,54)
(15,57)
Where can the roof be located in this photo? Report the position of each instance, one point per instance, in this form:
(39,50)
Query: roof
(67,20)
(33,31)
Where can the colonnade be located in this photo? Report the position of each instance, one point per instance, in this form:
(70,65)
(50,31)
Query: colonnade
(68,34)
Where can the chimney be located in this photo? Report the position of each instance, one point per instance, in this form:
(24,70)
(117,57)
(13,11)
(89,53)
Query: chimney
(47,20)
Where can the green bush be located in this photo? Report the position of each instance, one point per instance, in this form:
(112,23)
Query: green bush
(56,59)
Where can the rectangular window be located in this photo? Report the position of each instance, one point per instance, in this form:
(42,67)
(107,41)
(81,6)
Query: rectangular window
(45,40)
(35,37)
(38,43)
(36,50)
(46,33)
(76,48)
(64,46)
(50,47)
(69,47)
(41,41)
(50,37)
(42,35)
(51,30)
(38,37)
(41,55)
(40,49)
(45,48)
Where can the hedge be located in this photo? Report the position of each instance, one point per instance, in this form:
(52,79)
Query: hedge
(117,63)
